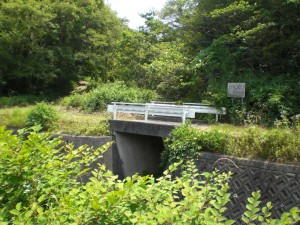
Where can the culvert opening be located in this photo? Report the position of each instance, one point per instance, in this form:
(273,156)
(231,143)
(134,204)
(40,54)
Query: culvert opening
(134,153)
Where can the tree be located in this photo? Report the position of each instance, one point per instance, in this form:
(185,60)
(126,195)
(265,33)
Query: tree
(243,41)
(50,44)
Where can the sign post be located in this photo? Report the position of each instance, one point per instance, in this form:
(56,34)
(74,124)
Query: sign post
(236,90)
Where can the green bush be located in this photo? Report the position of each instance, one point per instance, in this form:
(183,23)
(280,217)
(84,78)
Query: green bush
(74,100)
(42,114)
(39,185)
(279,145)
(186,142)
(265,101)
(98,98)
(36,172)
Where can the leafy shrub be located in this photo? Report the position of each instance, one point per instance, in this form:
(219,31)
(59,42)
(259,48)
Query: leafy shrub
(74,100)
(42,114)
(181,144)
(186,142)
(98,98)
(36,172)
(39,185)
(265,101)
(280,145)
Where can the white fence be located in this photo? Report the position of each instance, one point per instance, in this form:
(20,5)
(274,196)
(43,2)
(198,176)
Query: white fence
(186,110)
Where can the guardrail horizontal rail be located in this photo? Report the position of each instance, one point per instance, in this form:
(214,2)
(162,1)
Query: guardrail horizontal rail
(187,110)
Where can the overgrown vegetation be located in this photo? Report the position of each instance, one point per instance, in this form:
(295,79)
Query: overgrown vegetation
(98,98)
(42,114)
(48,45)
(40,184)
(14,117)
(188,51)
(277,145)
(69,121)
(23,100)
(78,123)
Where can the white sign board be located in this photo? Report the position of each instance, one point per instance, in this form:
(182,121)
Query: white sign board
(236,90)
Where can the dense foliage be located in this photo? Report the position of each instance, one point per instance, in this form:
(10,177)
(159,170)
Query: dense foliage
(200,46)
(279,145)
(40,184)
(45,45)
(98,98)
(243,41)
(188,51)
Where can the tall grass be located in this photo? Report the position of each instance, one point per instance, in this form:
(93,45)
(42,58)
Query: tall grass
(69,121)
(79,123)
(14,117)
(280,145)
(277,145)
(23,100)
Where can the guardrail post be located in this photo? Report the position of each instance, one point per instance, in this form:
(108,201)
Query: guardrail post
(217,118)
(183,116)
(115,111)
(146,113)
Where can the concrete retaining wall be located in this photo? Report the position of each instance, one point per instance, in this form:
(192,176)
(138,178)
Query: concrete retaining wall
(279,183)
(94,142)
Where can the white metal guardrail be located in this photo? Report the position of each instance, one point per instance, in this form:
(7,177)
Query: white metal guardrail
(151,109)
(186,110)
(207,109)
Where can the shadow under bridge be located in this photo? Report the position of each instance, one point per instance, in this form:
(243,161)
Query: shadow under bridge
(137,147)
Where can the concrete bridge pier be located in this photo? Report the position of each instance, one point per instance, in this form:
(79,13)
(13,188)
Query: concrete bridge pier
(138,147)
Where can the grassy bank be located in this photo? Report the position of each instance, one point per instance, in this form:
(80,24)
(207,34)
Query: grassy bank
(69,121)
(277,144)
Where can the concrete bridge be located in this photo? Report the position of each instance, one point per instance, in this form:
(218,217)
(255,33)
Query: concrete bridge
(138,146)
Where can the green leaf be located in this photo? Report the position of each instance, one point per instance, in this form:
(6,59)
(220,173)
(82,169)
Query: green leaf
(215,212)
(14,212)
(246,220)
(229,222)
(248,214)
(216,205)
(41,198)
(18,206)
(261,218)
(251,200)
